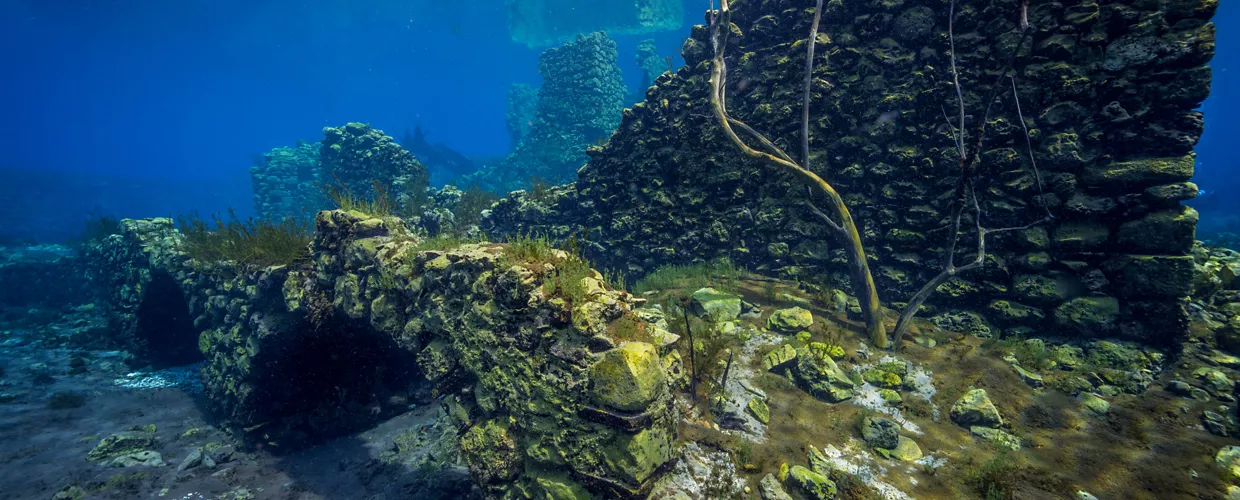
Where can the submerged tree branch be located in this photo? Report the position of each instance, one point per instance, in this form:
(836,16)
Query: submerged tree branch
(969,160)
(867,292)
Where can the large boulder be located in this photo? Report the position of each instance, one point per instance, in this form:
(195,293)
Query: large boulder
(629,377)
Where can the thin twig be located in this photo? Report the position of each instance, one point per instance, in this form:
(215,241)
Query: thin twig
(809,78)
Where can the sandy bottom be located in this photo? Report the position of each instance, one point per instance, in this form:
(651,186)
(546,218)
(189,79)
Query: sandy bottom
(44,450)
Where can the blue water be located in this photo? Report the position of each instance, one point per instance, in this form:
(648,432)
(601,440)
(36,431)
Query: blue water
(167,95)
(138,108)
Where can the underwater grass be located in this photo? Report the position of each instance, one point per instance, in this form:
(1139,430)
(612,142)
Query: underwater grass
(569,267)
(98,227)
(468,211)
(720,274)
(538,190)
(252,243)
(380,205)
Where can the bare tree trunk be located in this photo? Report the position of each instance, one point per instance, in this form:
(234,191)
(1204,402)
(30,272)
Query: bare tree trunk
(867,293)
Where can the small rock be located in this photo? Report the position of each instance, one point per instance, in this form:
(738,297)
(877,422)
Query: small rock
(770,489)
(1032,379)
(122,443)
(790,320)
(70,493)
(760,410)
(1084,495)
(907,450)
(996,437)
(193,459)
(781,356)
(1214,423)
(146,458)
(716,305)
(1179,387)
(880,432)
(892,398)
(1095,404)
(813,485)
(974,409)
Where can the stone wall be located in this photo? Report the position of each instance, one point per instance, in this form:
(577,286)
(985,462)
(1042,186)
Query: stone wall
(579,104)
(547,400)
(358,157)
(1108,91)
(288,183)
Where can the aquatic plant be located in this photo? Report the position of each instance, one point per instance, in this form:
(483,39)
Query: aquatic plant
(98,227)
(538,190)
(720,274)
(846,228)
(253,243)
(990,480)
(468,211)
(379,204)
(964,194)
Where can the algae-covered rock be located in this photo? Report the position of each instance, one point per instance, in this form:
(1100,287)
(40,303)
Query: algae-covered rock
(813,485)
(122,443)
(759,409)
(144,458)
(1081,235)
(822,378)
(964,322)
(790,320)
(1094,403)
(716,305)
(906,450)
(629,377)
(996,437)
(635,457)
(1228,459)
(491,452)
(975,408)
(880,432)
(1089,316)
(1149,171)
(770,489)
(1168,231)
(779,357)
(882,378)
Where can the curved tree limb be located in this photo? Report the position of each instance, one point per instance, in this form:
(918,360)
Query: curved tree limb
(867,292)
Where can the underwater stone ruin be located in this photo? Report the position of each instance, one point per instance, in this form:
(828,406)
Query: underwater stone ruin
(579,104)
(1108,91)
(545,397)
(288,183)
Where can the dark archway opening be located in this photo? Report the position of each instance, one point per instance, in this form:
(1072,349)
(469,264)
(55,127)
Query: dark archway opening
(335,379)
(165,334)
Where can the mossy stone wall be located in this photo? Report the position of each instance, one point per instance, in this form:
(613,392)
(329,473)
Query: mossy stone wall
(545,399)
(1108,91)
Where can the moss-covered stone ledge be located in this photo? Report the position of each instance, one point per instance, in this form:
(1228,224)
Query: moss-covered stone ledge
(549,399)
